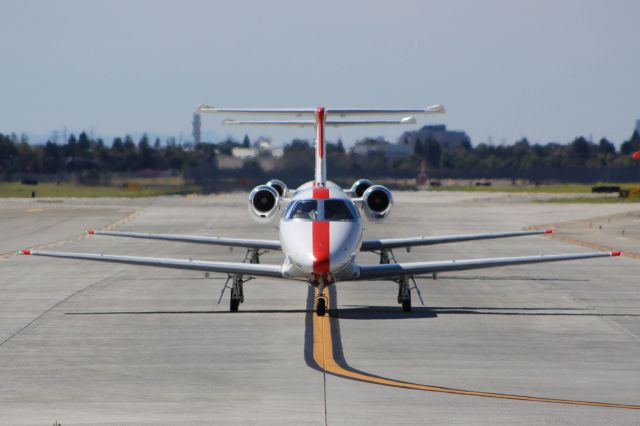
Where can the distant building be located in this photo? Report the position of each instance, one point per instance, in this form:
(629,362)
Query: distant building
(438,133)
(638,126)
(261,148)
(240,152)
(390,151)
(196,132)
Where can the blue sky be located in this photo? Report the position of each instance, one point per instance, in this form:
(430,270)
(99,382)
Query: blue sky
(548,70)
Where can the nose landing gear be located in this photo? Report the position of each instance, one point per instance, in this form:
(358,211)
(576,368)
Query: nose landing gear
(321,300)
(321,306)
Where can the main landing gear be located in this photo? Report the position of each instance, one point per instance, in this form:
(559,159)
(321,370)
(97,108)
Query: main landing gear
(237,282)
(406,283)
(237,293)
(404,294)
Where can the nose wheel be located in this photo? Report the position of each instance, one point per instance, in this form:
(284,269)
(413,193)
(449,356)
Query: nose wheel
(321,306)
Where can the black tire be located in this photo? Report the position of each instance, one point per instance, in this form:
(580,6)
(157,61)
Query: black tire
(406,305)
(233,306)
(321,307)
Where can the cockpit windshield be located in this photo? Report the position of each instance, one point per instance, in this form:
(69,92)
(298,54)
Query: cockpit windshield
(331,209)
(306,210)
(337,210)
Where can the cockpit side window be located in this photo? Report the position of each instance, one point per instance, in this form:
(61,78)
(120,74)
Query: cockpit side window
(338,210)
(305,210)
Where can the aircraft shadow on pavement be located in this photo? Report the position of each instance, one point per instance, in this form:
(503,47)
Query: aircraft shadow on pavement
(360,312)
(501,278)
(196,312)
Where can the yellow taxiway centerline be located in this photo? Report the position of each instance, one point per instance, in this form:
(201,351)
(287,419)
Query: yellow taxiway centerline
(324,357)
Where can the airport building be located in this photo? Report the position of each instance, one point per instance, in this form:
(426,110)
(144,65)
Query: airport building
(437,132)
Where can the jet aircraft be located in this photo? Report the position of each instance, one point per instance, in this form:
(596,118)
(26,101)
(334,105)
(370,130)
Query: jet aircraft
(320,223)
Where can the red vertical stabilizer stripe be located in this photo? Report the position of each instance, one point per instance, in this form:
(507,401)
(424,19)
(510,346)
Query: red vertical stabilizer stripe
(320,229)
(320,135)
(320,193)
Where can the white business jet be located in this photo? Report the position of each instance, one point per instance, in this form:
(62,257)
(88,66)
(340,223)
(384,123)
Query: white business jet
(320,228)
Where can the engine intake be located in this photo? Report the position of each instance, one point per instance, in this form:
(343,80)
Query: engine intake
(263,202)
(279,186)
(360,186)
(377,202)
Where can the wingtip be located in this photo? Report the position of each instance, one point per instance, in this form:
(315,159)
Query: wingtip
(436,109)
(202,107)
(549,231)
(89,231)
(27,252)
(616,253)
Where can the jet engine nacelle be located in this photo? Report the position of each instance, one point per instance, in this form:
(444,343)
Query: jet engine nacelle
(279,186)
(263,202)
(377,202)
(359,186)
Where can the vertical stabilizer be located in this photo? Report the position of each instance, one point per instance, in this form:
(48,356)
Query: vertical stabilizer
(321,158)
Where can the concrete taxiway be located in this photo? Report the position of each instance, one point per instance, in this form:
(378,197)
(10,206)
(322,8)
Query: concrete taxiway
(91,343)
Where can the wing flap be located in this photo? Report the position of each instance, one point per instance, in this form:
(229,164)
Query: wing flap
(219,241)
(368,272)
(256,269)
(370,245)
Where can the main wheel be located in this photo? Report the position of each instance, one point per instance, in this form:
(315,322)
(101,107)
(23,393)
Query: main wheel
(321,307)
(406,305)
(233,306)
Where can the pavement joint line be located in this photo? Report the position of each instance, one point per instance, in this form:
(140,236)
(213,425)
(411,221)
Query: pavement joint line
(55,305)
(119,222)
(324,355)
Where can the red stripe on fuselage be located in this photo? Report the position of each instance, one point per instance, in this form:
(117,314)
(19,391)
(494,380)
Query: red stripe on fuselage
(320,237)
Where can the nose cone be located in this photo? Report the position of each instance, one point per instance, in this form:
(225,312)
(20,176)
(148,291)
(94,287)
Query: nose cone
(320,247)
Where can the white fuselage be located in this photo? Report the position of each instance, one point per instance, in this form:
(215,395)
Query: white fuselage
(321,233)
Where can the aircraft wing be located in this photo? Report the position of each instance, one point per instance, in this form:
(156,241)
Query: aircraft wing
(392,243)
(219,241)
(390,270)
(255,269)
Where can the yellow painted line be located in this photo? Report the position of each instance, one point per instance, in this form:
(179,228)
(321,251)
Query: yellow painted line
(324,358)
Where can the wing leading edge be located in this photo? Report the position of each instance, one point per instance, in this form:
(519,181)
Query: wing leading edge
(372,272)
(238,268)
(391,243)
(219,241)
